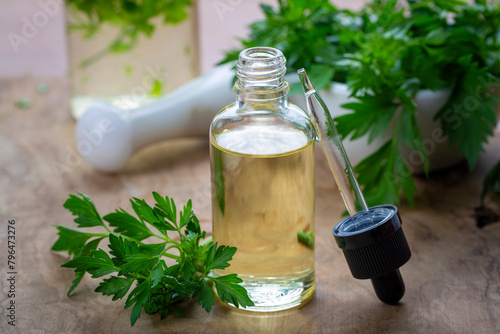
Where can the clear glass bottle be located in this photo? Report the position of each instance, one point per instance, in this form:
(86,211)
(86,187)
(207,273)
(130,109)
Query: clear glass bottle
(262,170)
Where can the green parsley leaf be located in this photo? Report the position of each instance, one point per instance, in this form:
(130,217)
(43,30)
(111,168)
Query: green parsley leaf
(73,247)
(193,225)
(84,208)
(127,225)
(186,214)
(70,240)
(219,257)
(137,298)
(144,211)
(229,290)
(121,248)
(137,263)
(78,278)
(165,207)
(157,273)
(90,246)
(97,265)
(206,296)
(115,286)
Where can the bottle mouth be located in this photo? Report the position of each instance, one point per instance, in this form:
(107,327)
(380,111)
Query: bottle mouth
(261,63)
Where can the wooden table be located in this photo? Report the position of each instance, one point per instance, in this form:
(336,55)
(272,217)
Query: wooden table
(452,279)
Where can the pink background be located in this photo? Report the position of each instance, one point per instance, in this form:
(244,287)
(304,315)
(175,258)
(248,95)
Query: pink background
(221,22)
(45,53)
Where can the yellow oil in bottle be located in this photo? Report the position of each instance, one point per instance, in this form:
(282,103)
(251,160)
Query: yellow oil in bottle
(263,195)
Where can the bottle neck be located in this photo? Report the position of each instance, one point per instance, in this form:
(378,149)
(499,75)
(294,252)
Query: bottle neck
(261,83)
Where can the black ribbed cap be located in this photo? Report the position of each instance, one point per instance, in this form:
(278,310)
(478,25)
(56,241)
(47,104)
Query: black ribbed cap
(375,249)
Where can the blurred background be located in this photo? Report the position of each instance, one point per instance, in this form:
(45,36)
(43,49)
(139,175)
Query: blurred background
(37,42)
(132,52)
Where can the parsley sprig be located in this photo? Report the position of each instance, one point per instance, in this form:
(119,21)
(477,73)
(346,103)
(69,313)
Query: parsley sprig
(139,268)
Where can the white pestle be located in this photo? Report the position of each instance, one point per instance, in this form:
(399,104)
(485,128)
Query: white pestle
(107,137)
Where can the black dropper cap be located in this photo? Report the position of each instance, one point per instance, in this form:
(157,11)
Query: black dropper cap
(376,249)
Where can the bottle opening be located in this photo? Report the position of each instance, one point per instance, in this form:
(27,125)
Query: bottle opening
(261,52)
(260,63)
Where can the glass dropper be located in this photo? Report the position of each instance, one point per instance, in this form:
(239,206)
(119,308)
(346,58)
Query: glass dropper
(372,239)
(335,153)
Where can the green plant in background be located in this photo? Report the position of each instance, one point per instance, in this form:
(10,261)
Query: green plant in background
(133,18)
(386,53)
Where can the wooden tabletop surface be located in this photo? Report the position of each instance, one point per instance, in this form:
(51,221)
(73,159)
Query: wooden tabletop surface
(452,279)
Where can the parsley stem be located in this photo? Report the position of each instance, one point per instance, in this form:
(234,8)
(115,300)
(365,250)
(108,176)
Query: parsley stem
(106,227)
(116,234)
(140,276)
(99,234)
(173,242)
(172,256)
(166,238)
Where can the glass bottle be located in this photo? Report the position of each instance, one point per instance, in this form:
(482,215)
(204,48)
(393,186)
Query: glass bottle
(262,172)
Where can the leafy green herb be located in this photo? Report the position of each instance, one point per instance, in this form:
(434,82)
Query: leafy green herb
(387,52)
(134,18)
(138,268)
